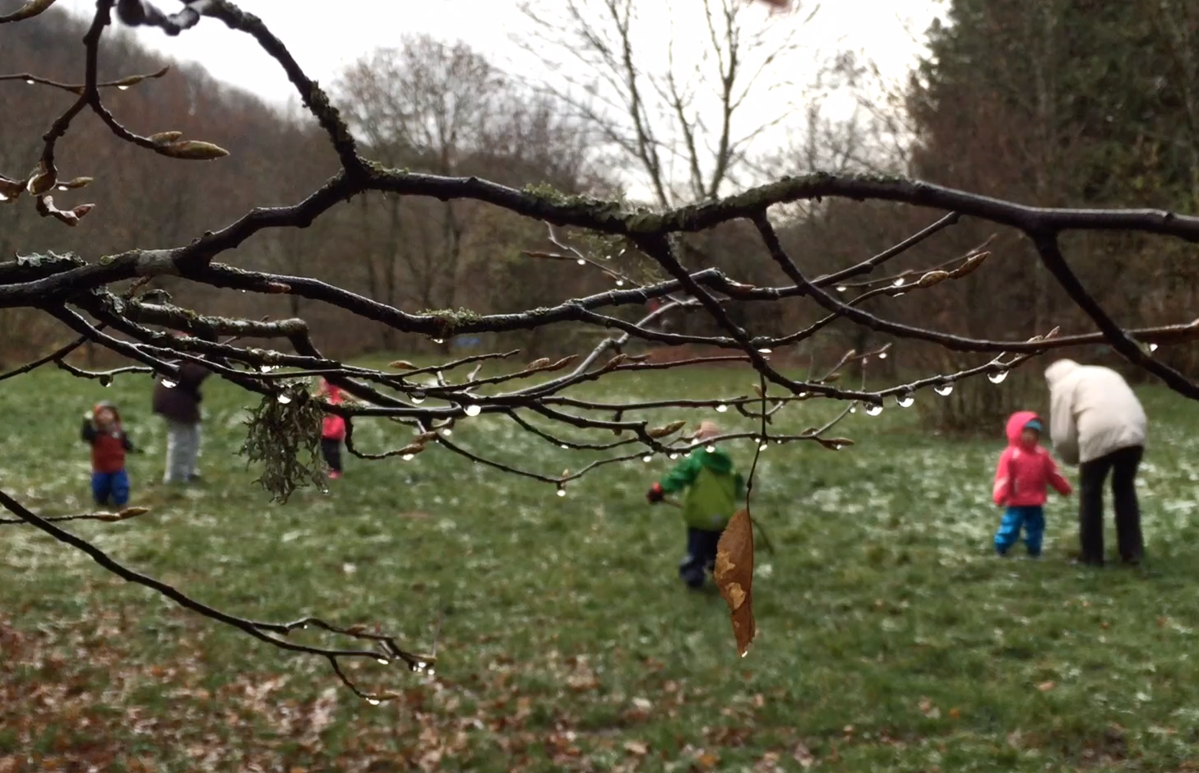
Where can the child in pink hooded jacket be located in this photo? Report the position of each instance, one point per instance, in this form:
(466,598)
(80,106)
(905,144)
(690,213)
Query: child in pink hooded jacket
(1024,473)
(333,429)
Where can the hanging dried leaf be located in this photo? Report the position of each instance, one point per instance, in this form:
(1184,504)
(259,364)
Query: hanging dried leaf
(669,429)
(191,150)
(130,512)
(401,365)
(28,11)
(735,575)
(540,362)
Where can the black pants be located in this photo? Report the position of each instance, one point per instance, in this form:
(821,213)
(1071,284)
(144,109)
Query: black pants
(701,556)
(331,449)
(1122,465)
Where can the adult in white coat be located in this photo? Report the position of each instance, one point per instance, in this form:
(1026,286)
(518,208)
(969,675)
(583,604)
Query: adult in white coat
(1097,423)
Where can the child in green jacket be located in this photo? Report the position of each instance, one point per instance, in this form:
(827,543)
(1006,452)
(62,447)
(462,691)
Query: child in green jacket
(713,488)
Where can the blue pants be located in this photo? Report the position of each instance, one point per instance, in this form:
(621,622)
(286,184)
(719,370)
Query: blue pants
(1031,519)
(112,486)
(701,556)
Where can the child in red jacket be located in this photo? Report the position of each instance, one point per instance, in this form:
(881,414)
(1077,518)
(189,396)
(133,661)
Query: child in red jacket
(1024,473)
(102,431)
(333,429)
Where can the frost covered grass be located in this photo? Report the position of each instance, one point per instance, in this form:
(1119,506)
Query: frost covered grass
(890,637)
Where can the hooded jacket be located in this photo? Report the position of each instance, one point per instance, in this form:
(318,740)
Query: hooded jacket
(109,444)
(1025,470)
(181,402)
(1093,412)
(333,427)
(713,488)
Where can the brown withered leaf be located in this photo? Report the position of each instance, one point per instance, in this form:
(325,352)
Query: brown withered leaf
(401,365)
(734,576)
(540,362)
(191,150)
(411,448)
(130,512)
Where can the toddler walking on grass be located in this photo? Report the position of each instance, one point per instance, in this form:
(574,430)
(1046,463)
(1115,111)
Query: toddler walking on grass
(713,487)
(1022,478)
(103,432)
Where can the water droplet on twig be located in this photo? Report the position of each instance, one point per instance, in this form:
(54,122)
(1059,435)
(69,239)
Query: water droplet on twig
(417,397)
(383,661)
(672,456)
(168,384)
(472,410)
(373,701)
(408,457)
(945,390)
(581,262)
(122,87)
(561,490)
(764,351)
(898,282)
(721,408)
(905,400)
(710,448)
(873,410)
(882,355)
(841,288)
(106,380)
(997,377)
(1153,347)
(30,81)
(283,399)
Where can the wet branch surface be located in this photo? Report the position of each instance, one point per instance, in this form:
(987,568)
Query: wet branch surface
(77,292)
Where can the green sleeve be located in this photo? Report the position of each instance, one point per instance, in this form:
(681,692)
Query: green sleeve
(681,476)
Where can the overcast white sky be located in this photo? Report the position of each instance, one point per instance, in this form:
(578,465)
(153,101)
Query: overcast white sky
(324,36)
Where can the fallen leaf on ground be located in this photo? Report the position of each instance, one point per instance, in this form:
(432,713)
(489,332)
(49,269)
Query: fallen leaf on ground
(640,748)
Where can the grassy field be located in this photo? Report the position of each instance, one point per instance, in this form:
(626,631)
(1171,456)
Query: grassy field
(890,637)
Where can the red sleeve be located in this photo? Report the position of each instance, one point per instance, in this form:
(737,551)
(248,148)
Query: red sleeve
(1002,487)
(1056,479)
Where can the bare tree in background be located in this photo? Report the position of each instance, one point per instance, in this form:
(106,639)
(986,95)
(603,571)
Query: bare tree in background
(102,298)
(682,121)
(424,105)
